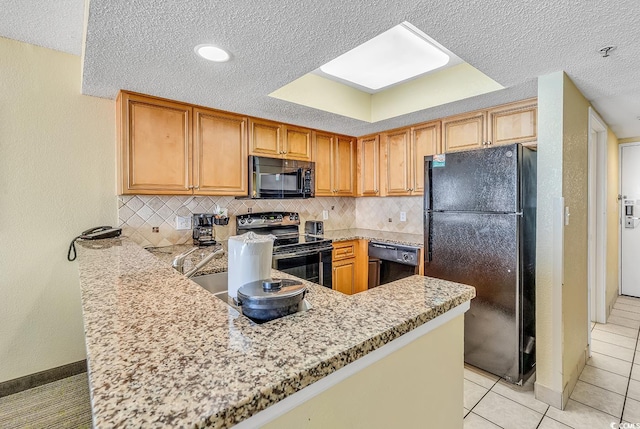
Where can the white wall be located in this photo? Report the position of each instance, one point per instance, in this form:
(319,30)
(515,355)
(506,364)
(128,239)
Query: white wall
(57,178)
(561,265)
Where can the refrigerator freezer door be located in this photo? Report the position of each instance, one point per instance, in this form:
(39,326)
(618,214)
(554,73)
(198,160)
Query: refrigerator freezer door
(478,181)
(481,250)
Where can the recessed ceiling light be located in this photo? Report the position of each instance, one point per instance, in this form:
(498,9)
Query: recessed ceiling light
(212,53)
(396,55)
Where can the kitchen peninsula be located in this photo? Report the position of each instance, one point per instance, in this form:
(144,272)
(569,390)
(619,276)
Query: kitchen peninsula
(163,352)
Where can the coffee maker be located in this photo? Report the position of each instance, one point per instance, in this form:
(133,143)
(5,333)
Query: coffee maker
(203,234)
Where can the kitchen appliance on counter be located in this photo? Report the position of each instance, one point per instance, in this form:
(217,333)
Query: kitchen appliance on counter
(203,234)
(480,217)
(314,227)
(305,256)
(280,178)
(391,262)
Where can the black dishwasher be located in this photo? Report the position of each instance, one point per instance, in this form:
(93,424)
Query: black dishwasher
(390,262)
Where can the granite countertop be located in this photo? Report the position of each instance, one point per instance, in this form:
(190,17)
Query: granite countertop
(372,234)
(163,352)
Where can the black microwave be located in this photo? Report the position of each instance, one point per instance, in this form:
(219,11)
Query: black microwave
(280,178)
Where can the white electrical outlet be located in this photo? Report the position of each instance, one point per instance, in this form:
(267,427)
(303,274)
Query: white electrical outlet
(403,216)
(325,214)
(183,222)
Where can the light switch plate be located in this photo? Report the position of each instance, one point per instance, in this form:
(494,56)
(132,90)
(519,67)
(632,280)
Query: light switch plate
(325,215)
(183,222)
(403,216)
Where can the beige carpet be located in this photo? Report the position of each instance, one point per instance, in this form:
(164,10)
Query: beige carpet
(62,404)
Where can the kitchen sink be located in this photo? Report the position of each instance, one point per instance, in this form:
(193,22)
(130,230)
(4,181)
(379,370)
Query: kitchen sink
(215,283)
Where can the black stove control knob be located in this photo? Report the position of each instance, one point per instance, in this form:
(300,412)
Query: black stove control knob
(291,216)
(406,257)
(242,221)
(279,218)
(296,216)
(250,220)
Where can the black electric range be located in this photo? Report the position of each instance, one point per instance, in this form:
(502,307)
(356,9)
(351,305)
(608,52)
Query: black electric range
(304,256)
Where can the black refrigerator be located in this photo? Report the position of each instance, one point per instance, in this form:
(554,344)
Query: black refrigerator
(480,227)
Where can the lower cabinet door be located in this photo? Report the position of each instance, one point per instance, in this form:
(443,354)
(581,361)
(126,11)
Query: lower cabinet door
(344,274)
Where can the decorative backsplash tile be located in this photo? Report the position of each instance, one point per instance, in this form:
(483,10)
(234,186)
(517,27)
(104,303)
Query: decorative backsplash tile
(375,213)
(139,214)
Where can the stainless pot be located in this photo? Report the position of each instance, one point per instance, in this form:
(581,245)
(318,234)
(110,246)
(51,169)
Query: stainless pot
(269,299)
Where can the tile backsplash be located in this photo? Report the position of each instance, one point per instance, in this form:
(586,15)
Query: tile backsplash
(139,214)
(375,213)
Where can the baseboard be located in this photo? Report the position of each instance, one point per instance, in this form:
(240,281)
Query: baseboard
(43,377)
(548,396)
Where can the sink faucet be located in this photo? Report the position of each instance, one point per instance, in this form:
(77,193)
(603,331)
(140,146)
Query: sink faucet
(178,261)
(204,262)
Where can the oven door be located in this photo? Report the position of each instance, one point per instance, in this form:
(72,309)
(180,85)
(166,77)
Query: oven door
(311,265)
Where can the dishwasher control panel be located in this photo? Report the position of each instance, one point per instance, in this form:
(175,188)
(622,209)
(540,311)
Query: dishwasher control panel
(406,255)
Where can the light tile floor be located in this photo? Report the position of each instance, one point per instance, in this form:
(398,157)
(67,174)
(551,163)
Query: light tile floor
(607,391)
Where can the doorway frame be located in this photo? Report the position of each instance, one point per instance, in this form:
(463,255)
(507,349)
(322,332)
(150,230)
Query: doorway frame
(597,234)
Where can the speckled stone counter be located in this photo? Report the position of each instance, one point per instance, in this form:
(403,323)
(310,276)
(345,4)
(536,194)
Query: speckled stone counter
(163,352)
(371,234)
(216,265)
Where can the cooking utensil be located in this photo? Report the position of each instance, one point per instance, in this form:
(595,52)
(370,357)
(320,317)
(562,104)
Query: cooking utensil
(269,299)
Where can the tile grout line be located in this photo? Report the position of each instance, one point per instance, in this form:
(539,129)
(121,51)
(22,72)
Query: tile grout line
(615,344)
(526,406)
(485,394)
(624,403)
(606,370)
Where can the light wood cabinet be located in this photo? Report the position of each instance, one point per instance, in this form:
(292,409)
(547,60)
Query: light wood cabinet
(267,138)
(297,143)
(344,276)
(463,132)
(394,152)
(155,147)
(350,266)
(425,141)
(334,157)
(402,152)
(220,153)
(514,123)
(368,170)
(506,124)
(173,148)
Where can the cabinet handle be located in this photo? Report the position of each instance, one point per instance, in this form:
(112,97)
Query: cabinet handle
(197,187)
(375,190)
(489,142)
(190,187)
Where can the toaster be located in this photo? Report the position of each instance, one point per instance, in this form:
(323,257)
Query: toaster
(314,227)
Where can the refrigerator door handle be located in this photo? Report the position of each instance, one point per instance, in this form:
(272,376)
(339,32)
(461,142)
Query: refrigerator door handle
(427,236)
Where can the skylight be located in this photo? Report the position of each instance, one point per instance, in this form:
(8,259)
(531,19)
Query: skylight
(394,56)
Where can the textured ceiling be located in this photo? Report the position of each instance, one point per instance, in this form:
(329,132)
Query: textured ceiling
(147,46)
(53,24)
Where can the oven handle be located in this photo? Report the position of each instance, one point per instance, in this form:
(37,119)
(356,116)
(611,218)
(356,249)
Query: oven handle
(296,254)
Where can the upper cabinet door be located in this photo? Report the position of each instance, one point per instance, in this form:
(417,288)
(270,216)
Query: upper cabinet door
(344,163)
(369,166)
(155,146)
(425,141)
(323,157)
(514,123)
(220,153)
(265,138)
(396,162)
(464,132)
(297,143)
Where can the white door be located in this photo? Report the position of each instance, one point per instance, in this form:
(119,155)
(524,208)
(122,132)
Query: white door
(630,219)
